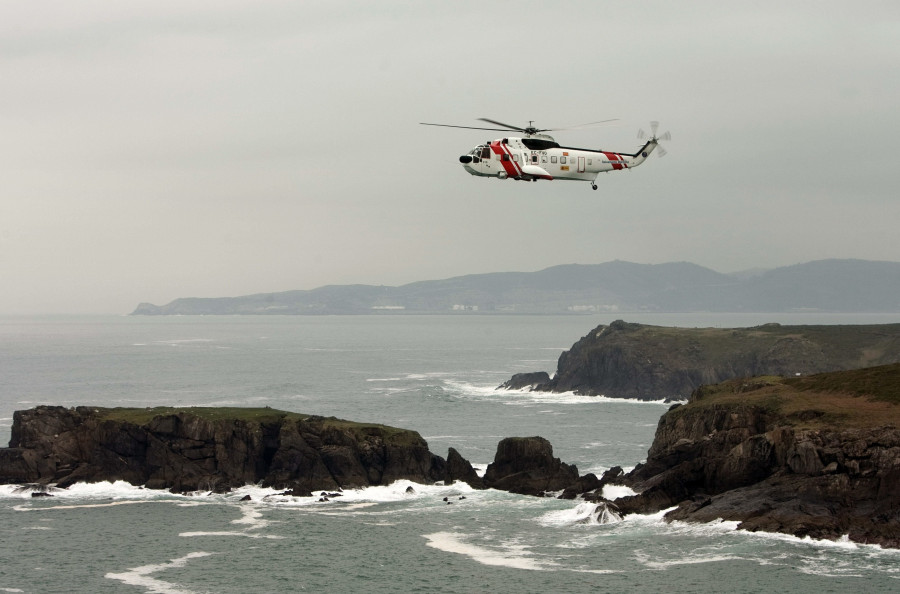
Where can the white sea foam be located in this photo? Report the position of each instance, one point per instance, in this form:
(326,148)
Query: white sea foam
(181,341)
(527,397)
(694,558)
(243,534)
(223,533)
(584,513)
(251,520)
(398,491)
(511,556)
(350,501)
(117,493)
(613,492)
(411,376)
(141,576)
(83,505)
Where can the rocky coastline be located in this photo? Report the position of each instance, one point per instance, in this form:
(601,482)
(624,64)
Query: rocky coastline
(815,456)
(219,449)
(627,360)
(210,449)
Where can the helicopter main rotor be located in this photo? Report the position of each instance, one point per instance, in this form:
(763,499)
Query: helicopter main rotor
(529,130)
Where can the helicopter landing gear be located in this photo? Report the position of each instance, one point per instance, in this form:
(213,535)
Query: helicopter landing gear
(593,186)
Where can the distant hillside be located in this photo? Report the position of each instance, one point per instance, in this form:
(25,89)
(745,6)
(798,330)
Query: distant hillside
(825,285)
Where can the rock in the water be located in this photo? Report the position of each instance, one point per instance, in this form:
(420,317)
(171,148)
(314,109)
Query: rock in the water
(210,449)
(525,380)
(459,469)
(526,465)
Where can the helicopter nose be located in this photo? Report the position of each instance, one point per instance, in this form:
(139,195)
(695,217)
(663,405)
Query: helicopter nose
(465,159)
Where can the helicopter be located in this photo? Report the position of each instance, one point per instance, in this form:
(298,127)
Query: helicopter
(536,155)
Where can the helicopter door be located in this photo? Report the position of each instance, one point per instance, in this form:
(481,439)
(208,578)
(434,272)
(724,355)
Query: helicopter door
(580,164)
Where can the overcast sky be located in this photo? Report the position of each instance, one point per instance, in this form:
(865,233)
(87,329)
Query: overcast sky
(156,150)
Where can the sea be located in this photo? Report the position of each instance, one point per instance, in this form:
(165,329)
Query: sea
(433,374)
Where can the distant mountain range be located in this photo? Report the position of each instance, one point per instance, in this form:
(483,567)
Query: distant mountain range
(823,285)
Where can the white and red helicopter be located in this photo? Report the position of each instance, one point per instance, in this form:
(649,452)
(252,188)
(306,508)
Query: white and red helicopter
(537,156)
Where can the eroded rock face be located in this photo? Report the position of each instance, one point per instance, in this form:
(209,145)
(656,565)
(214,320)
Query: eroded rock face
(526,465)
(742,463)
(521,381)
(183,451)
(460,469)
(626,360)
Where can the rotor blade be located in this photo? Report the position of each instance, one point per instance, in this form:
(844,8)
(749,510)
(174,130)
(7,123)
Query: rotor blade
(507,126)
(666,136)
(576,127)
(641,134)
(661,151)
(654,126)
(468,127)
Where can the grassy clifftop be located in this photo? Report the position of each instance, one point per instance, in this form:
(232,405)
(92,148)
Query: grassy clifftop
(857,399)
(630,360)
(265,415)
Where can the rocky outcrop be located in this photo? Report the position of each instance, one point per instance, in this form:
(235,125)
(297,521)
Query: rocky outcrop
(460,469)
(219,449)
(782,455)
(627,360)
(526,465)
(211,449)
(535,380)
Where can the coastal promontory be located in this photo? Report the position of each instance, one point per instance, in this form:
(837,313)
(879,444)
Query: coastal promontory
(215,449)
(627,360)
(815,456)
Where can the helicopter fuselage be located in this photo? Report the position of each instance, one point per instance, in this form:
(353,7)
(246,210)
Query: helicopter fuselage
(538,156)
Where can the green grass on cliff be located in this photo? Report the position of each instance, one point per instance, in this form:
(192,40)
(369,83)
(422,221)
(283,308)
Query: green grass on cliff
(142,416)
(859,398)
(877,383)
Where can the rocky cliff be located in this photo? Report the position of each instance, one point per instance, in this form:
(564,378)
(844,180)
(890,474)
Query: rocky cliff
(817,456)
(526,465)
(222,448)
(211,449)
(627,360)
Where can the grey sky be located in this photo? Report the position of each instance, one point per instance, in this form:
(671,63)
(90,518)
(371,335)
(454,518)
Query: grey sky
(155,150)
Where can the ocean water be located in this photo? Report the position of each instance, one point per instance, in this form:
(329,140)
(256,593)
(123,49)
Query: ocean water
(433,374)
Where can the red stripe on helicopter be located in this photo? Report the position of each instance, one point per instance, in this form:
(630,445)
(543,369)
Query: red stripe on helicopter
(615,160)
(511,167)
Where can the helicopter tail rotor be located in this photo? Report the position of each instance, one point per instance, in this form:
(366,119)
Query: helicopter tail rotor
(652,137)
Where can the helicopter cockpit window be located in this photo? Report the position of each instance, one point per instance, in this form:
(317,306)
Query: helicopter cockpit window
(485,152)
